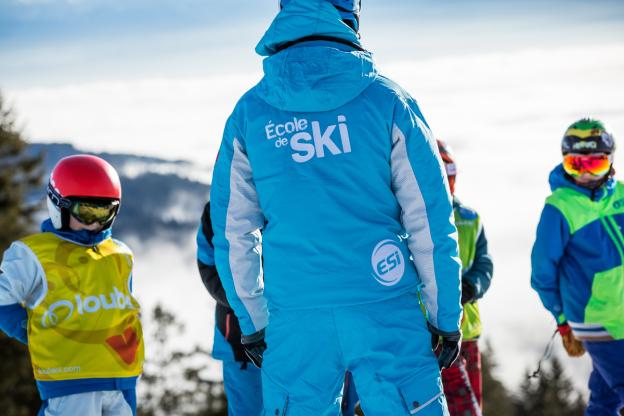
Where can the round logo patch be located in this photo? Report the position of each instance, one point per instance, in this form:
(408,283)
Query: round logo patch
(388,263)
(52,317)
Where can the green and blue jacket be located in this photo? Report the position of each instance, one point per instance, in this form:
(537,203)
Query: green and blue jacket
(477,266)
(578,257)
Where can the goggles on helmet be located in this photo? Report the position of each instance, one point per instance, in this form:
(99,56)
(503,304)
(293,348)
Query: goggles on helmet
(597,164)
(87,211)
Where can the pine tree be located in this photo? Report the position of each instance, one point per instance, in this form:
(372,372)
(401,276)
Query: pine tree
(496,398)
(19,175)
(551,395)
(173,382)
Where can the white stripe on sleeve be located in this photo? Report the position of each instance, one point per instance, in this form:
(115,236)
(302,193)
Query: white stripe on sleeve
(243,222)
(415,221)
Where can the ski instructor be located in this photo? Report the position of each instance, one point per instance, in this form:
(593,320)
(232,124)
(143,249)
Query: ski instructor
(331,211)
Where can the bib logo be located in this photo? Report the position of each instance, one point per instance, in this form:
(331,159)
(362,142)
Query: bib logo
(62,310)
(388,263)
(305,144)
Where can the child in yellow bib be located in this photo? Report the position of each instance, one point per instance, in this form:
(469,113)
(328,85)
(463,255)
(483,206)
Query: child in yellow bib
(67,293)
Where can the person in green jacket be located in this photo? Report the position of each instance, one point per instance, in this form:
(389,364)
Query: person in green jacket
(462,380)
(578,259)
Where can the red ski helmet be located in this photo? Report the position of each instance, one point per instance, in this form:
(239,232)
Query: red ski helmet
(86,187)
(449,163)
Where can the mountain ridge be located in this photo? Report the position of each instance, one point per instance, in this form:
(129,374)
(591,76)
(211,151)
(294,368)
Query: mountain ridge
(157,197)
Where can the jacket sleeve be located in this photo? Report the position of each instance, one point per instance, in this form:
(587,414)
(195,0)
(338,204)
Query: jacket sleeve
(205,259)
(553,234)
(21,285)
(237,222)
(480,273)
(13,322)
(421,188)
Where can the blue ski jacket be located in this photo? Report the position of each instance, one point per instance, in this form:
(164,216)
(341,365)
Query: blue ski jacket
(338,168)
(578,257)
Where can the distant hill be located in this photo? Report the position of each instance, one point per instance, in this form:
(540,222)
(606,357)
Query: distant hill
(159,196)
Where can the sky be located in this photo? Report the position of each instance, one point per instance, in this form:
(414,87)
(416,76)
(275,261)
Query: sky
(499,81)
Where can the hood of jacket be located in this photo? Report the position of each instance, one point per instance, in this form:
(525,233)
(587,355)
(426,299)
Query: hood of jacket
(316,75)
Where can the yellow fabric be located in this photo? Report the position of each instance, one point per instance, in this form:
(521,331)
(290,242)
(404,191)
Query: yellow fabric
(583,134)
(471,322)
(87,325)
(468,232)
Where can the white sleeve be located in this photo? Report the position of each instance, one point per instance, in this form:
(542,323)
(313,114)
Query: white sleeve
(421,188)
(236,221)
(22,279)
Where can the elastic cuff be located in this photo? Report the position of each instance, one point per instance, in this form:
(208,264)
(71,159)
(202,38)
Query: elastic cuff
(451,336)
(255,337)
(564,329)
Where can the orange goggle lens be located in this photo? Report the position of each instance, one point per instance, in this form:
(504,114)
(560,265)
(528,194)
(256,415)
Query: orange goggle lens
(597,165)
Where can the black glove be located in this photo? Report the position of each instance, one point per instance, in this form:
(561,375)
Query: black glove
(254,346)
(228,326)
(467,292)
(450,345)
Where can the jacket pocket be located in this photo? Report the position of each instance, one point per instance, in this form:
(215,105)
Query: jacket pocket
(420,396)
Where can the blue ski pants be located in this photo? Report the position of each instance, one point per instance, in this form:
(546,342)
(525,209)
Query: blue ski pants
(243,388)
(606,382)
(242,381)
(384,344)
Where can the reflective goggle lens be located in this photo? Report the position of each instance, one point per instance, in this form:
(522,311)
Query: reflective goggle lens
(577,164)
(89,212)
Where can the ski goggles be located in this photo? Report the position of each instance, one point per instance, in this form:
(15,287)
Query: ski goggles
(597,164)
(89,212)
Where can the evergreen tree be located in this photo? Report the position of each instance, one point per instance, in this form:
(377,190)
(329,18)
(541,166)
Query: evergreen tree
(173,381)
(496,398)
(551,395)
(19,176)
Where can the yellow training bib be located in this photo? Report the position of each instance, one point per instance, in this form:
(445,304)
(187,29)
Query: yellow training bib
(87,324)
